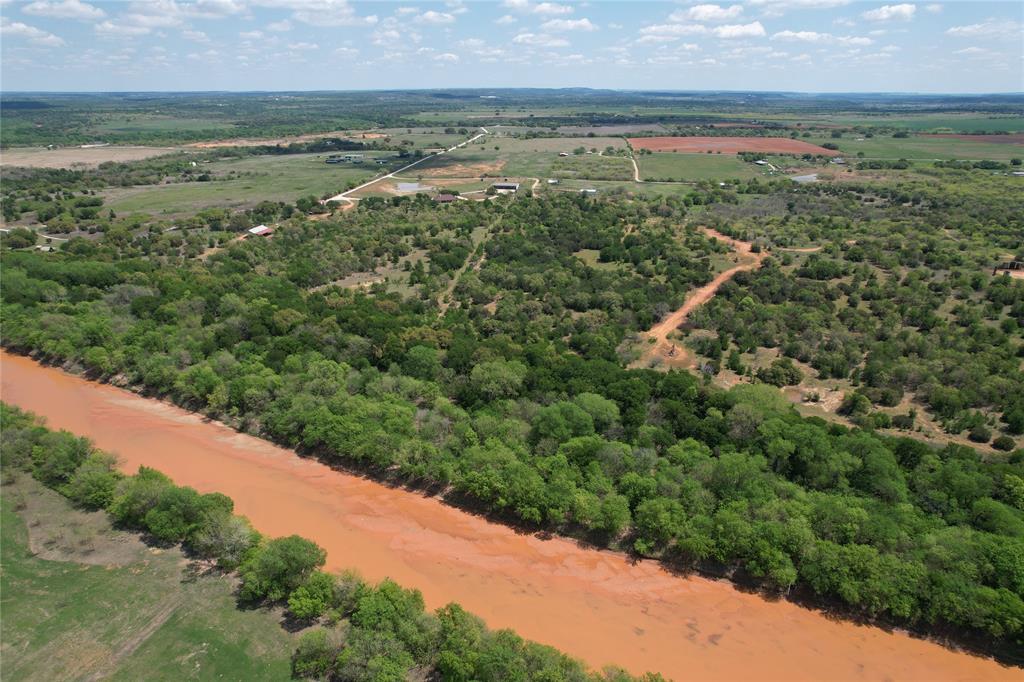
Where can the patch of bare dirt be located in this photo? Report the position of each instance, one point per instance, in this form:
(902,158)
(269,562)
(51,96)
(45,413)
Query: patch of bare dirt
(77,157)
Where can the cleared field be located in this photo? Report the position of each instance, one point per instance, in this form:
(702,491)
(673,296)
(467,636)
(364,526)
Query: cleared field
(693,167)
(76,157)
(967,123)
(996,139)
(82,600)
(160,124)
(728,145)
(513,157)
(262,178)
(924,147)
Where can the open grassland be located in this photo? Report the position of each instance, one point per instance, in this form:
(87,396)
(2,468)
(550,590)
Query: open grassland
(101,604)
(512,157)
(693,167)
(922,147)
(143,123)
(76,157)
(728,145)
(967,123)
(259,178)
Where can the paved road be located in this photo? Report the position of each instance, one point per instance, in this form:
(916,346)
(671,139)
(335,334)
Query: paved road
(344,195)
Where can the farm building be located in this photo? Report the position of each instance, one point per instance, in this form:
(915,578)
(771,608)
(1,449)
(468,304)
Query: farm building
(563,153)
(506,187)
(261,231)
(552,181)
(445,198)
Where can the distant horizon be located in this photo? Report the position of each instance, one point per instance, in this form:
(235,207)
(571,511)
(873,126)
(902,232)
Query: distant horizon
(724,91)
(798,46)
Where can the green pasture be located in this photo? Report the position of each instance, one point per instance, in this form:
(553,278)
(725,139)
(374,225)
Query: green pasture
(262,178)
(695,167)
(921,147)
(142,617)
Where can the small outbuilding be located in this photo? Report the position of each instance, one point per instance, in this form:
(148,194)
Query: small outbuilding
(261,231)
(445,198)
(506,187)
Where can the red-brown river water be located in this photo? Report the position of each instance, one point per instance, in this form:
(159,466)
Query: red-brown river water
(596,605)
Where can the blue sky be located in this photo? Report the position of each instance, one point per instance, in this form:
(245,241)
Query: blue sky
(798,45)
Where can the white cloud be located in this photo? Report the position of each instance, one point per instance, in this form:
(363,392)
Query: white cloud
(707,13)
(934,8)
(110,29)
(345,52)
(251,35)
(539,40)
(406,10)
(752,30)
(215,9)
(195,36)
(902,12)
(776,8)
(656,39)
(542,8)
(816,37)
(64,9)
(320,12)
(674,30)
(280,26)
(303,46)
(34,35)
(435,18)
(802,36)
(507,19)
(559,25)
(987,29)
(972,51)
(447,57)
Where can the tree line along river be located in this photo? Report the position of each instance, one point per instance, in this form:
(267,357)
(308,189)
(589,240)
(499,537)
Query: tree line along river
(597,605)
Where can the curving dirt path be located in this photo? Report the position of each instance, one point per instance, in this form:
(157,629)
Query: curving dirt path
(676,355)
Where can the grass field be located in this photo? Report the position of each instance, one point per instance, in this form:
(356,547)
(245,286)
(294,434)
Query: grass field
(693,167)
(113,608)
(271,178)
(161,124)
(537,158)
(915,147)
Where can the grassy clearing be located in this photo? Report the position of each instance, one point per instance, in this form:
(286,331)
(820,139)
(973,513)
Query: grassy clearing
(922,148)
(140,616)
(694,167)
(511,157)
(262,178)
(160,124)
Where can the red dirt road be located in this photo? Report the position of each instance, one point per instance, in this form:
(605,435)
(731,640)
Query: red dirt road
(728,145)
(675,355)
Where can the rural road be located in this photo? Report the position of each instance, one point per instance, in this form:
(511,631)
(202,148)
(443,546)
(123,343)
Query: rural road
(344,195)
(671,353)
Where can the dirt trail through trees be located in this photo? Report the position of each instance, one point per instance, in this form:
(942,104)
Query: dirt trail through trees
(675,355)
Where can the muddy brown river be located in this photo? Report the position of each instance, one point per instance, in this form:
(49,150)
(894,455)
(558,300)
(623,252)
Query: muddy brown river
(596,605)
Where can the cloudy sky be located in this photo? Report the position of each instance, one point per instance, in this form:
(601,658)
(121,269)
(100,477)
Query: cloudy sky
(804,45)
